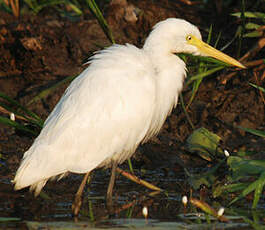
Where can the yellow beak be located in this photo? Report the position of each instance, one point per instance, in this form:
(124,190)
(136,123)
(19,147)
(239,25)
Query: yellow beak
(208,50)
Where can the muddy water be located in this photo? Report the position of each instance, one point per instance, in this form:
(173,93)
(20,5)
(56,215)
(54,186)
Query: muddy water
(165,210)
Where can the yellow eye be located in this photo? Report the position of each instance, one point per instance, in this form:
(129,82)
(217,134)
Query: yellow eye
(188,38)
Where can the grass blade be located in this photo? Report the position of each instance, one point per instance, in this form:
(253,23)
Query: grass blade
(7,110)
(47,91)
(253,186)
(253,131)
(257,87)
(204,74)
(130,166)
(101,20)
(185,111)
(75,8)
(16,125)
(258,190)
(202,68)
(16,104)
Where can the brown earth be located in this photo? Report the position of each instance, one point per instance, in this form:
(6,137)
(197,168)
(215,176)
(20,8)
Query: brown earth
(37,51)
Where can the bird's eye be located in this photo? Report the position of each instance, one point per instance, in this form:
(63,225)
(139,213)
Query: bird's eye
(188,38)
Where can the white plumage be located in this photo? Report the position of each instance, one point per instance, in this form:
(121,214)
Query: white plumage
(121,100)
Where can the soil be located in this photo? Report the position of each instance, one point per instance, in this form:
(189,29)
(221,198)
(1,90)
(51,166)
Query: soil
(39,50)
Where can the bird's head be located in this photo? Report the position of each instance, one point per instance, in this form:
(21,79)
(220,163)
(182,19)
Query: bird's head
(179,36)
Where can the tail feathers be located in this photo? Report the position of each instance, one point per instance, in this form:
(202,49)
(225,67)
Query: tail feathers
(37,187)
(35,170)
(29,176)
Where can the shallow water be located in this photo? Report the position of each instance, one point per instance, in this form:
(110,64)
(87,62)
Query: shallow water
(122,224)
(165,210)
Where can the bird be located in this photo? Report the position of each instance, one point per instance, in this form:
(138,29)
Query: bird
(118,102)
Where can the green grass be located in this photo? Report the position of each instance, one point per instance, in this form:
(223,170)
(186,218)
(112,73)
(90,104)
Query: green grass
(101,20)
(242,175)
(26,117)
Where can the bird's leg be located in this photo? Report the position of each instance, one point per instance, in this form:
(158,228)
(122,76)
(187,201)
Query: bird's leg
(111,184)
(78,196)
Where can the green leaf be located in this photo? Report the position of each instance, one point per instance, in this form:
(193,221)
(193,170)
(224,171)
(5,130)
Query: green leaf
(217,40)
(8,219)
(5,7)
(258,87)
(19,106)
(243,168)
(16,125)
(204,74)
(44,195)
(204,142)
(246,166)
(207,178)
(255,225)
(28,119)
(228,188)
(253,131)
(49,90)
(244,153)
(101,20)
(253,34)
(252,26)
(256,185)
(75,8)
(197,180)
(249,14)
(210,34)
(185,111)
(195,88)
(259,189)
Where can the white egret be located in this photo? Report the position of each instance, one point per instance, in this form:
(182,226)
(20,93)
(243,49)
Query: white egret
(120,101)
